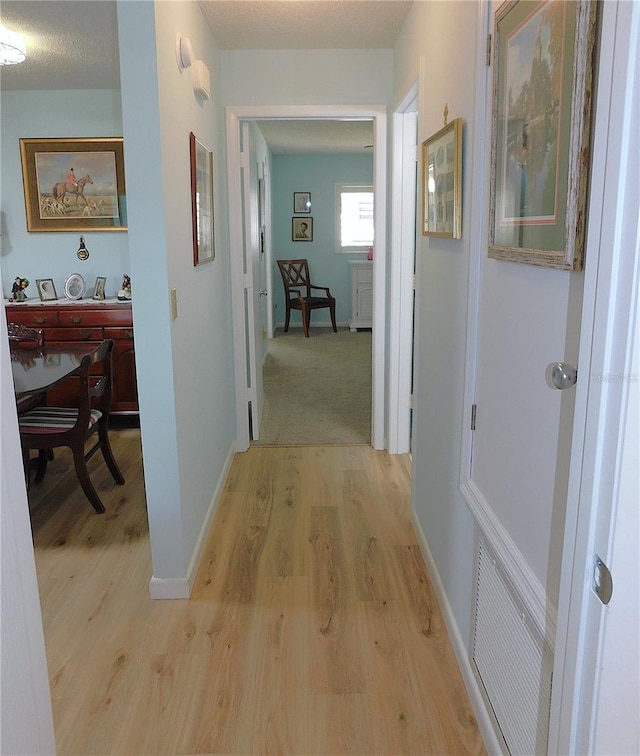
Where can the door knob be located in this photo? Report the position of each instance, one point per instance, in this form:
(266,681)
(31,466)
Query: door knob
(263,292)
(562,375)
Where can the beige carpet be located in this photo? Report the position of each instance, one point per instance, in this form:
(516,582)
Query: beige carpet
(317,390)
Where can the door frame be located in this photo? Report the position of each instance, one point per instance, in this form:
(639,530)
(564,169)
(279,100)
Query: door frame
(235,115)
(404,204)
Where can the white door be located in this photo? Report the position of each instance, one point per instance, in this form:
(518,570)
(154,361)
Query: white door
(254,274)
(529,317)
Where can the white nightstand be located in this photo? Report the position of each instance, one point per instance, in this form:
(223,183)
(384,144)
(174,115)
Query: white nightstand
(361,294)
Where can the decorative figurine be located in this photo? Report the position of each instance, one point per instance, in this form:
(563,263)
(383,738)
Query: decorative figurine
(17,290)
(125,292)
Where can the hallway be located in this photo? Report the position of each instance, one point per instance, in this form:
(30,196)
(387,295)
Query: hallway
(312,627)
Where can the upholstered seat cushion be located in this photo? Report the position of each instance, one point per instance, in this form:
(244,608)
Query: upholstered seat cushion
(53,419)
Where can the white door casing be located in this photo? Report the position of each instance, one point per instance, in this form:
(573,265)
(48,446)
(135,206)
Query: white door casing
(402,268)
(239,113)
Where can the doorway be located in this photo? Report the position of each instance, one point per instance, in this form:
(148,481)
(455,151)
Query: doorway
(245,290)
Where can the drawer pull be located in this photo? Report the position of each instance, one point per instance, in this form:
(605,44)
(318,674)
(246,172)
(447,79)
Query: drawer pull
(76,319)
(85,335)
(40,319)
(129,334)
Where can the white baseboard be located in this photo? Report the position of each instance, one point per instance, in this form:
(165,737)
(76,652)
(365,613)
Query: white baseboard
(169,588)
(180,588)
(483,717)
(314,324)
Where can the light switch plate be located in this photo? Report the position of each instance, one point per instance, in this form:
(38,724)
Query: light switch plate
(174,303)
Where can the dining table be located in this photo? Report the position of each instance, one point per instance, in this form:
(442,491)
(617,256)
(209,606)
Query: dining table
(36,371)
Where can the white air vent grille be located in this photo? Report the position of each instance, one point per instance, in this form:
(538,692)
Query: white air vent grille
(512,659)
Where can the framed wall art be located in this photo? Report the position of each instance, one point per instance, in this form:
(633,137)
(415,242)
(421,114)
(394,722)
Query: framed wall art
(543,61)
(301,202)
(202,201)
(442,182)
(74,184)
(302,229)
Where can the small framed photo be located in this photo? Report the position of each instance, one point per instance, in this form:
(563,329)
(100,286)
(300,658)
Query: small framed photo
(302,229)
(46,289)
(98,291)
(301,202)
(442,182)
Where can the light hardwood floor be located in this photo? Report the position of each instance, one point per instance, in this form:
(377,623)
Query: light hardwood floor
(312,629)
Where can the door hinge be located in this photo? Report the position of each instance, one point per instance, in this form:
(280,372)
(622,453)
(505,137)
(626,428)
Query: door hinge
(410,401)
(244,159)
(488,49)
(413,281)
(414,151)
(473,417)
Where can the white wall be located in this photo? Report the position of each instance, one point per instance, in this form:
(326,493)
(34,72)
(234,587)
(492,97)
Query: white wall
(441,297)
(69,113)
(306,77)
(184,365)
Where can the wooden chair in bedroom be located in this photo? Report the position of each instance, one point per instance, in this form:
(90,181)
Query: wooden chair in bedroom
(301,294)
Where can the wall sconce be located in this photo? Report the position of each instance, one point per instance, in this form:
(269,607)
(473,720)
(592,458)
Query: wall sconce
(12,47)
(201,80)
(184,52)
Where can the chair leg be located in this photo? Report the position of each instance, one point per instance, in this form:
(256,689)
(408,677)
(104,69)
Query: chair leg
(332,310)
(107,453)
(85,480)
(306,318)
(287,318)
(26,463)
(41,467)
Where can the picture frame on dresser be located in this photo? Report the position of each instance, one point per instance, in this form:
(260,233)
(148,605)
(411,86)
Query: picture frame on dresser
(74,184)
(99,288)
(46,289)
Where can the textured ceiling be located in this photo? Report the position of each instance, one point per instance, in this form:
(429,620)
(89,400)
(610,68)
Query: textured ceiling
(305,24)
(73,44)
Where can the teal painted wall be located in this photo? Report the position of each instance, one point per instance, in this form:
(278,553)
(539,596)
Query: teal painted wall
(317,174)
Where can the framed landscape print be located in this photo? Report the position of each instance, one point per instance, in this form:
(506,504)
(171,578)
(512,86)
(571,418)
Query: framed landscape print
(442,182)
(202,201)
(543,61)
(74,184)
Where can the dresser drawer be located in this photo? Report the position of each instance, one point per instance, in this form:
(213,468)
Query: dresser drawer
(32,317)
(74,334)
(364,275)
(118,334)
(80,317)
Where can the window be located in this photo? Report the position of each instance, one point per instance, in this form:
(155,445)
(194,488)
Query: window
(354,217)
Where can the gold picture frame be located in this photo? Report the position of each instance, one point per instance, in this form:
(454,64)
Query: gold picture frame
(542,79)
(74,184)
(203,226)
(442,182)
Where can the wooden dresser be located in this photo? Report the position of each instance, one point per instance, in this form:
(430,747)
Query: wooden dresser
(87,321)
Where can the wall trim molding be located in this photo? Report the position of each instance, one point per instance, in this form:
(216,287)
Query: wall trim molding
(482,714)
(180,588)
(530,590)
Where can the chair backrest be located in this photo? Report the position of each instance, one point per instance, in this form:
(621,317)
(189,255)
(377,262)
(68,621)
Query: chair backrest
(96,394)
(25,337)
(295,275)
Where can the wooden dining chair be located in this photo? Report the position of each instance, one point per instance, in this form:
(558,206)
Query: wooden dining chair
(23,337)
(50,427)
(299,294)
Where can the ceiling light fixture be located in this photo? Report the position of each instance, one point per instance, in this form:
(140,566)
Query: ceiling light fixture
(12,47)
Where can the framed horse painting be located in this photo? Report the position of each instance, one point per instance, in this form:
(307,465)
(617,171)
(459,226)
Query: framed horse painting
(74,184)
